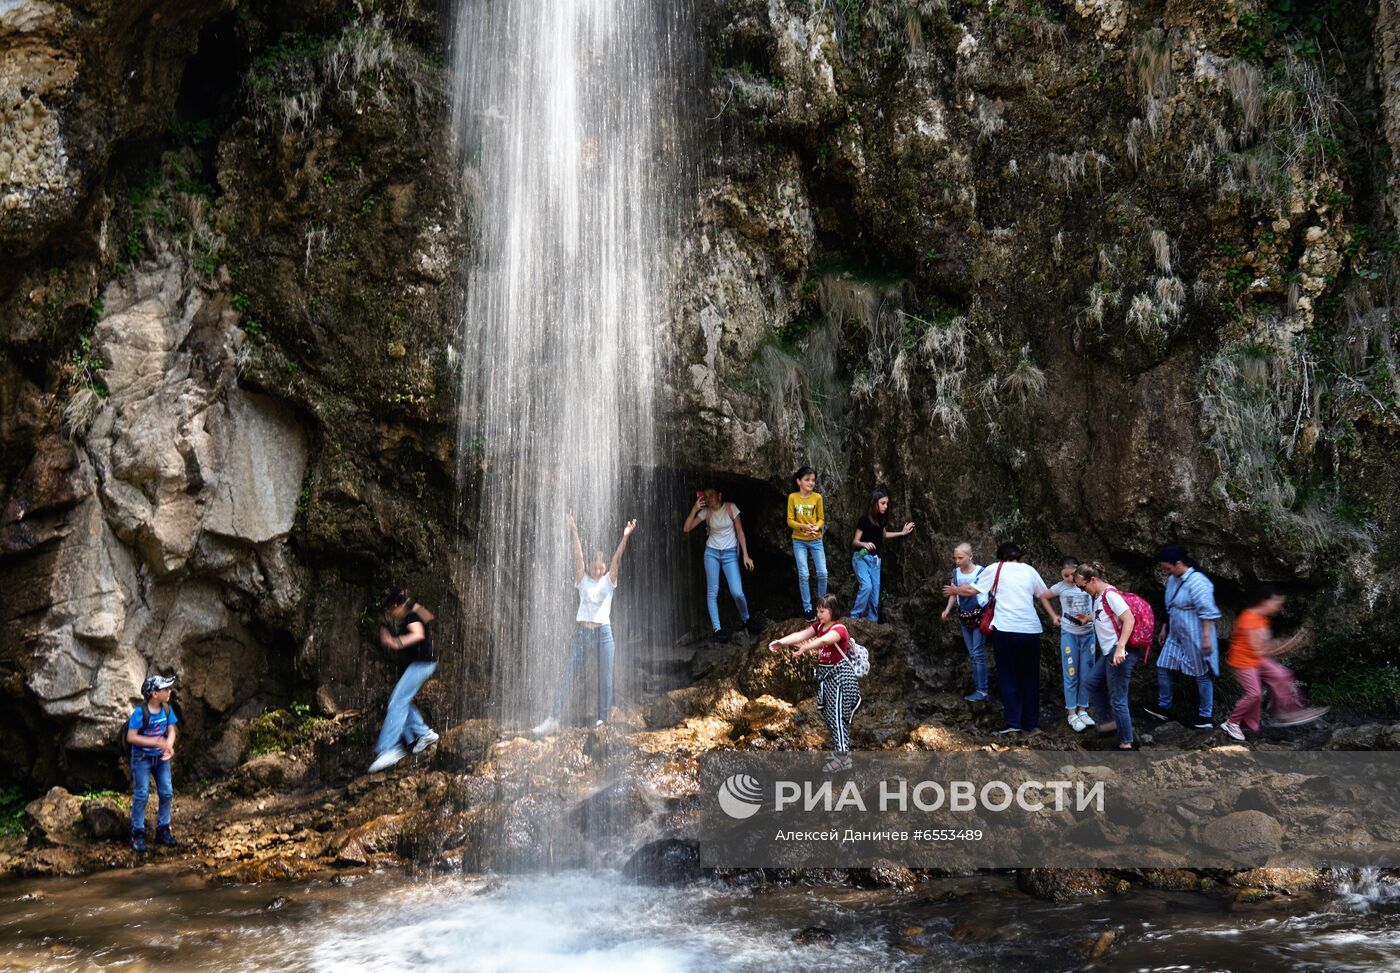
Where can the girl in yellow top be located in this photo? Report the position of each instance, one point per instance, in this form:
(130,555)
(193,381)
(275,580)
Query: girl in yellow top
(807,519)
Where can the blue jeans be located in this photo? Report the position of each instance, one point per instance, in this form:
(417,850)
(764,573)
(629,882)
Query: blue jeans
(403,724)
(1018,676)
(1108,685)
(976,644)
(1077,654)
(1205,688)
(143,767)
(867,569)
(728,562)
(801,550)
(586,639)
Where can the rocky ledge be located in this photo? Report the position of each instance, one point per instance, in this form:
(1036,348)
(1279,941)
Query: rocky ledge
(624,795)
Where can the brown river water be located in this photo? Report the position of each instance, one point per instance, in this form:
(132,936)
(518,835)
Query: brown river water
(157,919)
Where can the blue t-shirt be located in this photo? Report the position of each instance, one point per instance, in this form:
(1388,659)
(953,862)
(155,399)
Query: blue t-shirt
(156,724)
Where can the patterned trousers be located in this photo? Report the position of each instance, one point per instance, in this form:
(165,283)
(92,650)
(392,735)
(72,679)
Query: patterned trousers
(838,698)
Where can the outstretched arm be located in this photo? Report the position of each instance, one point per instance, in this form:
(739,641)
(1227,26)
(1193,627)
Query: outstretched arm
(621,546)
(578,548)
(792,639)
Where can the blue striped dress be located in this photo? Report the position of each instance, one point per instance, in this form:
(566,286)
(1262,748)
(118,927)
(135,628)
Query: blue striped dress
(1190,599)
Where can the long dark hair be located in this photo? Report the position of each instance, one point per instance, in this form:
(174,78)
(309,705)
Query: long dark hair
(873,512)
(1260,594)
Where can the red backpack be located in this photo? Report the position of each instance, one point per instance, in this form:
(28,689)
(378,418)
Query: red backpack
(1144,621)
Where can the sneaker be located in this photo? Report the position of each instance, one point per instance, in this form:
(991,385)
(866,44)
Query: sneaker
(1161,715)
(809,614)
(719,636)
(1006,731)
(1203,724)
(387,759)
(1232,730)
(425,741)
(549,726)
(754,625)
(1078,721)
(164,837)
(976,697)
(1302,716)
(138,841)
(600,724)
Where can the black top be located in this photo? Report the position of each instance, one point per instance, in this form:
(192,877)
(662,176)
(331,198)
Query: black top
(419,651)
(872,532)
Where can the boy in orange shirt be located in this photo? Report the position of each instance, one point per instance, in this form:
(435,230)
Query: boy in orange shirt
(1252,646)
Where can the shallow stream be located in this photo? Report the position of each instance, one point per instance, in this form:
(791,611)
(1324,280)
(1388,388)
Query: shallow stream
(155,919)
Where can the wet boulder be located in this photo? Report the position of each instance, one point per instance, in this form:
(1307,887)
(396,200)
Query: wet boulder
(669,861)
(1061,884)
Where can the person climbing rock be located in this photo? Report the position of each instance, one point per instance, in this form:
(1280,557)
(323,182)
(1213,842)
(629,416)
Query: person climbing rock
(966,571)
(869,538)
(596,581)
(725,548)
(1253,650)
(1188,639)
(404,729)
(838,687)
(807,519)
(150,732)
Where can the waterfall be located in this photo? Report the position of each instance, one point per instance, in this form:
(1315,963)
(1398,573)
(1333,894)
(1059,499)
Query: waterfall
(566,114)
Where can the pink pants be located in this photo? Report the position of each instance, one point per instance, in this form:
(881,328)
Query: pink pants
(1251,705)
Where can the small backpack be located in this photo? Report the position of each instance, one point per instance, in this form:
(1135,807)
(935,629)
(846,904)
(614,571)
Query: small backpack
(1144,621)
(858,656)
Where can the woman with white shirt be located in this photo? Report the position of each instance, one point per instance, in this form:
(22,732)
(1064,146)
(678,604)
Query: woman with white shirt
(725,547)
(596,581)
(1109,680)
(1013,589)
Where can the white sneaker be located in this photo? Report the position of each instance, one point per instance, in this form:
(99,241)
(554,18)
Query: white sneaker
(387,759)
(1079,722)
(425,741)
(549,726)
(1006,731)
(1232,730)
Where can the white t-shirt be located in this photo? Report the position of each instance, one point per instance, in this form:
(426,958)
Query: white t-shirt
(1017,591)
(720,524)
(1104,626)
(595,599)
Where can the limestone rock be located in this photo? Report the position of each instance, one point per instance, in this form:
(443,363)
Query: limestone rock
(1059,884)
(105,821)
(54,817)
(1244,835)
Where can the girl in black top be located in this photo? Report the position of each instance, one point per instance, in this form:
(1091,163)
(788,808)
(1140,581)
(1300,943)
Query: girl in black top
(870,536)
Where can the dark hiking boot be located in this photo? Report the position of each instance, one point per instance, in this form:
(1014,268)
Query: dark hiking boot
(138,840)
(165,838)
(754,625)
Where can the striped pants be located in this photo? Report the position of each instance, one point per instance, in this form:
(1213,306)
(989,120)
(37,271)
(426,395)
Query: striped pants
(838,697)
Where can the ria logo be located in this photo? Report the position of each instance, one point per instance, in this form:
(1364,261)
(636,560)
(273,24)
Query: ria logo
(740,796)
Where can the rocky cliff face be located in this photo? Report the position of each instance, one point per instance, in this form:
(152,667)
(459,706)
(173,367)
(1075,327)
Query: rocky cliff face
(1092,275)
(227,401)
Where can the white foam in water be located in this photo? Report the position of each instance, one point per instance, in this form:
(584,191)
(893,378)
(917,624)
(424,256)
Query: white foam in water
(577,923)
(1366,890)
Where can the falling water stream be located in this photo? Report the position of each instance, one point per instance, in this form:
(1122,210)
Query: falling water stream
(566,113)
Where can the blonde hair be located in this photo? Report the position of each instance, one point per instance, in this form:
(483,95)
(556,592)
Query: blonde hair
(1089,570)
(964,546)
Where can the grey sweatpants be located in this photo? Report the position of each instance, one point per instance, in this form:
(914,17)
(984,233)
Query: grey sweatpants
(838,697)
